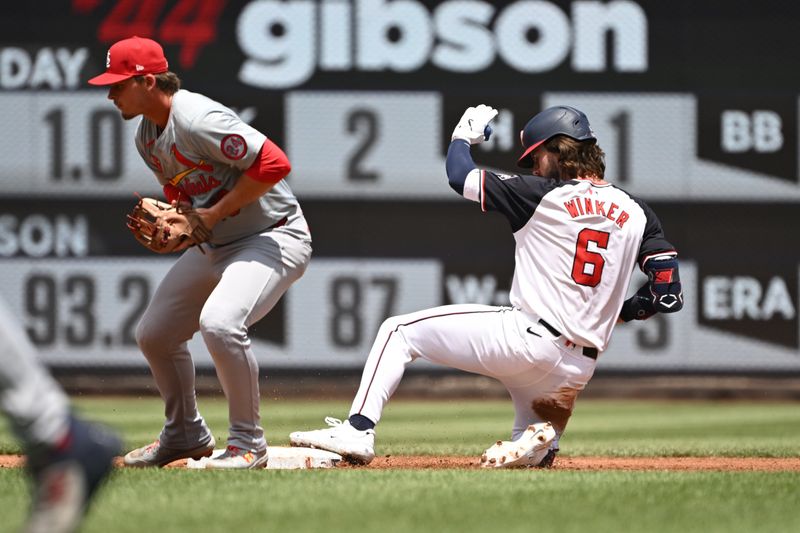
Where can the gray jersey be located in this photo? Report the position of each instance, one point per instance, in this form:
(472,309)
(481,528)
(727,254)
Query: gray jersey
(203,151)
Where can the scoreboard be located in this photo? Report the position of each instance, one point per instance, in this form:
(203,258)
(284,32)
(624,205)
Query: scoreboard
(363,96)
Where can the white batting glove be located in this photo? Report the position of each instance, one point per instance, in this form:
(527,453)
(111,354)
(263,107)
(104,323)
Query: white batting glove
(474,123)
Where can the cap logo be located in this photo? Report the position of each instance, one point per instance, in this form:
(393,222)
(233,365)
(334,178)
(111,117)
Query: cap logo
(131,57)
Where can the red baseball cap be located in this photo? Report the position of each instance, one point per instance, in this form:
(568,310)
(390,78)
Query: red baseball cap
(132,57)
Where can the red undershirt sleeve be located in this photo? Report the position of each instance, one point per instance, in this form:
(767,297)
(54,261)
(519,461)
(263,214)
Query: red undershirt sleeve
(271,164)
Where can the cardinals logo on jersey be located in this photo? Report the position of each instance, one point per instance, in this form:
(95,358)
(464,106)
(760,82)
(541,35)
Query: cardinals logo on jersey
(182,159)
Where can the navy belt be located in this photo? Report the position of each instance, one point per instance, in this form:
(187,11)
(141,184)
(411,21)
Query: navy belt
(588,352)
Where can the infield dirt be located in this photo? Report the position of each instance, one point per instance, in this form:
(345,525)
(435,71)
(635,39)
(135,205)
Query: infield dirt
(770,464)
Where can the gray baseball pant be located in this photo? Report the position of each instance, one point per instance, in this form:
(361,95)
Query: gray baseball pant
(220,293)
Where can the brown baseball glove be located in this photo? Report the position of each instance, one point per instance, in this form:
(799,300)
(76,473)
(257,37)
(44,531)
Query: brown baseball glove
(166,228)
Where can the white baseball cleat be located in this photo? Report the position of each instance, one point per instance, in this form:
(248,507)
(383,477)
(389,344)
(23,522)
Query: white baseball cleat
(352,444)
(530,449)
(235,458)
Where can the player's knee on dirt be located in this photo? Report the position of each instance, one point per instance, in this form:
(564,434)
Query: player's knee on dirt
(557,411)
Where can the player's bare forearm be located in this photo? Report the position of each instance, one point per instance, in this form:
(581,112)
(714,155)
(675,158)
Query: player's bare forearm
(246,191)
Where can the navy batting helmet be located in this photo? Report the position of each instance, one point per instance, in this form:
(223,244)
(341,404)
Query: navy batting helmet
(558,120)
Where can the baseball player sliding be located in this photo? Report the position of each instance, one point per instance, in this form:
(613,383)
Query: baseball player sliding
(257,243)
(578,239)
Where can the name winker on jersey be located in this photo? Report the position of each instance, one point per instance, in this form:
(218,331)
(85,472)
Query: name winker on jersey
(580,207)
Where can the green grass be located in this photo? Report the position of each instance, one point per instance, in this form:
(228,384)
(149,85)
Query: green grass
(458,500)
(458,427)
(368,501)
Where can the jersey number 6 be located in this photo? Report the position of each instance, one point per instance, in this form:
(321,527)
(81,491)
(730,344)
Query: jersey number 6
(587,267)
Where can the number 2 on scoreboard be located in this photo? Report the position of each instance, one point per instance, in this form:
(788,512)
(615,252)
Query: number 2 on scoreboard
(587,266)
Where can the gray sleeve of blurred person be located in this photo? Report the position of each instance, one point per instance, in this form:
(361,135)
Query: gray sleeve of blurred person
(36,405)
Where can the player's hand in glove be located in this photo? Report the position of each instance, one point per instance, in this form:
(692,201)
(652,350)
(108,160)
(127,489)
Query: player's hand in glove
(166,228)
(474,124)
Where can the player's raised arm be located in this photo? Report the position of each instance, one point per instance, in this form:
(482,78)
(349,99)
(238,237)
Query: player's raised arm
(473,128)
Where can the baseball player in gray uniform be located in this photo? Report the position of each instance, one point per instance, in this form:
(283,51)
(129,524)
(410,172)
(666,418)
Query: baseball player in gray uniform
(202,153)
(67,457)
(578,239)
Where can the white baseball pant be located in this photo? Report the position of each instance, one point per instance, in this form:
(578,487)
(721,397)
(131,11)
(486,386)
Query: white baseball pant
(35,404)
(543,373)
(220,294)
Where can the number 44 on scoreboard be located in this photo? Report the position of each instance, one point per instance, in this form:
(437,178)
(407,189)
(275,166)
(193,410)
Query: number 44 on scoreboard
(192,24)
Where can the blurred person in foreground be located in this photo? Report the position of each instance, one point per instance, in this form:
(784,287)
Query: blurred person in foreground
(578,239)
(67,458)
